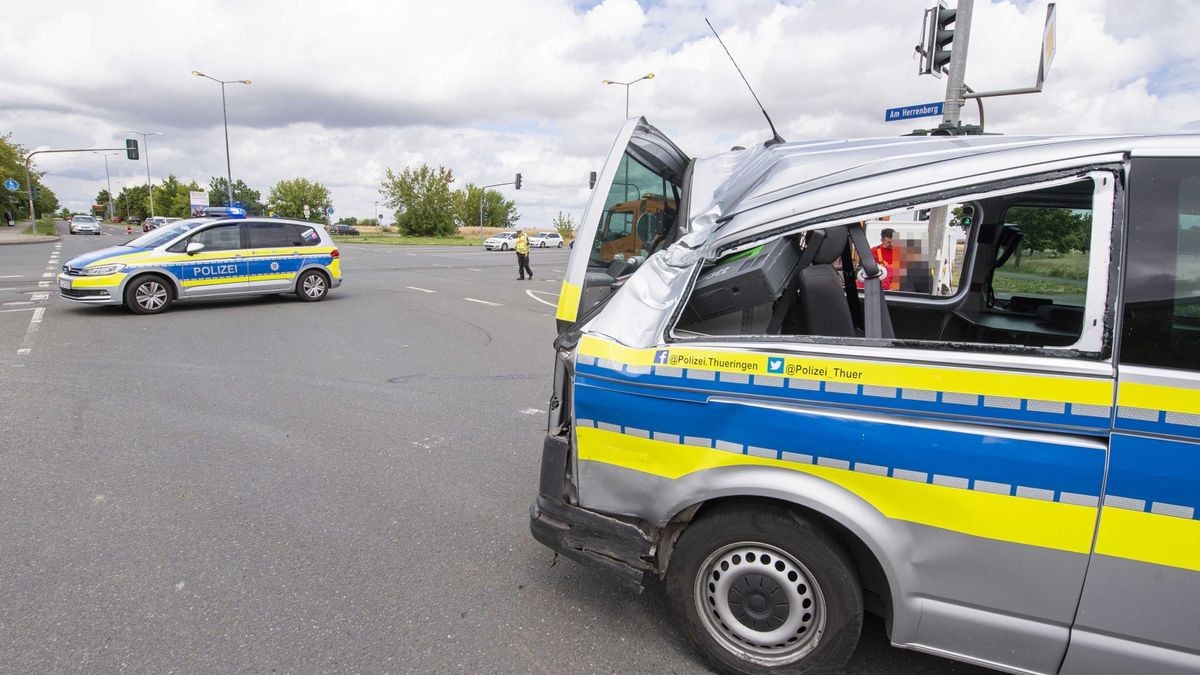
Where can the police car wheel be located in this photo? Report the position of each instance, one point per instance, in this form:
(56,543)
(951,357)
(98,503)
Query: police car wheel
(760,590)
(312,286)
(148,295)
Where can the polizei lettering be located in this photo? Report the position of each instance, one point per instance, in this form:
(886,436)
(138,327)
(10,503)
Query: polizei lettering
(213,270)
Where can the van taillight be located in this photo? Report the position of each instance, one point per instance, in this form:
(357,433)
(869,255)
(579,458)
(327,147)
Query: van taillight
(335,254)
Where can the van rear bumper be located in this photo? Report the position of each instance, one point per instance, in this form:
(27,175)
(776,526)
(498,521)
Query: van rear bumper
(586,536)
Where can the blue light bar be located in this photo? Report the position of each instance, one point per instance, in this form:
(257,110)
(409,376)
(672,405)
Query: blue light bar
(225,212)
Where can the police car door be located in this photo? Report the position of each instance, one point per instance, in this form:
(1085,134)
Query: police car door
(271,262)
(219,267)
(1139,604)
(642,174)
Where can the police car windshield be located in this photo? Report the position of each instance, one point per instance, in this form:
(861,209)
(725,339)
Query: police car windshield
(162,235)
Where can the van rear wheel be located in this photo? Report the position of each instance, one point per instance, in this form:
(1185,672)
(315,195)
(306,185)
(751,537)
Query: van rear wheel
(312,286)
(761,590)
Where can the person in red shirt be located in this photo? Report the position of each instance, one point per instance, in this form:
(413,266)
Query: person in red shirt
(887,256)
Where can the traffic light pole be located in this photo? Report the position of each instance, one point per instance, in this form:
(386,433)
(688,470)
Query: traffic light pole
(483,193)
(29,175)
(957,71)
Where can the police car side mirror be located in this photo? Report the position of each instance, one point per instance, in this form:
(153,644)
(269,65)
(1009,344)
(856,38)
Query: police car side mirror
(194,247)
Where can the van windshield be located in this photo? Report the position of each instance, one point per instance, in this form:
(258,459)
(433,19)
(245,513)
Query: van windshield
(164,234)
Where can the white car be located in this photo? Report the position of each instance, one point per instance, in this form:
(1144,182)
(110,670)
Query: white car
(505,241)
(546,240)
(83,224)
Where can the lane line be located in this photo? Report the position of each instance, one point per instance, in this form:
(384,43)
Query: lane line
(22,309)
(40,296)
(472,269)
(47,275)
(43,284)
(423,290)
(531,294)
(35,322)
(10,276)
(484,302)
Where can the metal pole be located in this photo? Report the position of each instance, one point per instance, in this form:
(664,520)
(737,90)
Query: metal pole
(108,179)
(955,95)
(627,99)
(149,185)
(228,168)
(29,189)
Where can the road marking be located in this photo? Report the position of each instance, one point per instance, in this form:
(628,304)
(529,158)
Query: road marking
(472,269)
(40,296)
(22,309)
(557,270)
(10,276)
(47,275)
(43,284)
(35,322)
(532,411)
(423,290)
(544,302)
(484,302)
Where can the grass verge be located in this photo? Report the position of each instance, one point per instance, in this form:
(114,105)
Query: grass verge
(44,226)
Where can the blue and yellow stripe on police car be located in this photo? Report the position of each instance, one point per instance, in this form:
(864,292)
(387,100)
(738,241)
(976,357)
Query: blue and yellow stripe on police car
(1028,489)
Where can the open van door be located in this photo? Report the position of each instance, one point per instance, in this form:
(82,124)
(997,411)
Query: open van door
(633,211)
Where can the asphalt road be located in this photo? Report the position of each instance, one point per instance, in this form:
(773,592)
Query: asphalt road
(266,484)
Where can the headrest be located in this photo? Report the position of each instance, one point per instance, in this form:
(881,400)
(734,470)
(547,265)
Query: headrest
(824,246)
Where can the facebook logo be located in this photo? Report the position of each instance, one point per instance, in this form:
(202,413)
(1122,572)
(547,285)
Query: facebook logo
(661,356)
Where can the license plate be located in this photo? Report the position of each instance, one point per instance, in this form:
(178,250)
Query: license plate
(64,283)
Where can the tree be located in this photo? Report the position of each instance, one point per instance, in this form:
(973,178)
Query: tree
(349,220)
(180,204)
(133,202)
(497,211)
(12,165)
(421,199)
(243,196)
(1053,230)
(288,198)
(565,224)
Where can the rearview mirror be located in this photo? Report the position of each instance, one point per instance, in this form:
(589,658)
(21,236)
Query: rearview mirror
(194,247)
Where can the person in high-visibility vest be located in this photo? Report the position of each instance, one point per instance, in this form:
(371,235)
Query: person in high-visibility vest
(522,247)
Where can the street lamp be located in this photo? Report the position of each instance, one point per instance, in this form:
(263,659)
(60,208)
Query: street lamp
(225,116)
(109,179)
(647,76)
(146,145)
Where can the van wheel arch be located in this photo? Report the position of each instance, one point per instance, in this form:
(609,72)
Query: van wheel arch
(133,281)
(877,588)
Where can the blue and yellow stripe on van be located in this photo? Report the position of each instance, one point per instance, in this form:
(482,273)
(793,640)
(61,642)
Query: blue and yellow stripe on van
(949,447)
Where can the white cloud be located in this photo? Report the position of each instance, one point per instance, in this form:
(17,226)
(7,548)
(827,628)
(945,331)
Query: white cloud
(342,91)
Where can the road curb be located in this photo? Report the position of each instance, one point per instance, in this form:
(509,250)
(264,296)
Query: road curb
(21,239)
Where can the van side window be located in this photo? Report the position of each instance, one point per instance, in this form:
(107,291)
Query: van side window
(267,235)
(1161,317)
(640,207)
(302,235)
(220,238)
(1004,269)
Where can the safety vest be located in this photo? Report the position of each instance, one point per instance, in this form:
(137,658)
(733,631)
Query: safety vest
(522,244)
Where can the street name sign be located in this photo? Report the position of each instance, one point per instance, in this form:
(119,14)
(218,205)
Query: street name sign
(912,111)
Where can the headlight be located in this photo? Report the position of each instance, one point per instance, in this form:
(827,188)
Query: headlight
(101,270)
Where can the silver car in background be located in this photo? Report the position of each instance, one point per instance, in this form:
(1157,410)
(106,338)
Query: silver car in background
(84,224)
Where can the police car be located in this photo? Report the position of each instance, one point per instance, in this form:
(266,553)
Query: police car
(999,452)
(224,254)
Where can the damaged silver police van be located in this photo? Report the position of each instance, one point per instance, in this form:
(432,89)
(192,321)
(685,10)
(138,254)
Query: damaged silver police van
(953,381)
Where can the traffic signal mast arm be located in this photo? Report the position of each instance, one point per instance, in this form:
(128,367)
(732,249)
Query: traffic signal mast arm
(132,150)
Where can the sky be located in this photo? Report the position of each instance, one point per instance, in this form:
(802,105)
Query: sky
(343,91)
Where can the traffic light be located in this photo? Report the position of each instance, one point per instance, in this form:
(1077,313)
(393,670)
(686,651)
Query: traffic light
(131,149)
(37,192)
(937,41)
(592,180)
(517,182)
